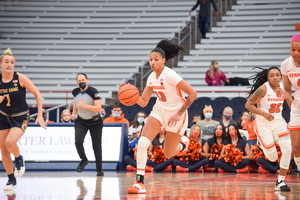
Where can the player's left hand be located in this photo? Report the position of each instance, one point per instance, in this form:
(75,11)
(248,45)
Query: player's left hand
(41,122)
(279,92)
(174,119)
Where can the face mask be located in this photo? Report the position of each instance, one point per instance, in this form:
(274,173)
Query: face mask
(232,133)
(208,115)
(140,120)
(253,117)
(116,115)
(219,133)
(216,66)
(195,133)
(227,117)
(82,85)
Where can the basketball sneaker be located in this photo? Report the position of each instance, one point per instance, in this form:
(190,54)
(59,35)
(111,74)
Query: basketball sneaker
(11,184)
(221,170)
(19,166)
(185,143)
(281,186)
(137,188)
(167,169)
(199,170)
(181,169)
(148,168)
(252,169)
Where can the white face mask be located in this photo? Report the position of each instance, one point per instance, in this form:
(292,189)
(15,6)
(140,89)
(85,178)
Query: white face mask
(116,115)
(140,120)
(208,115)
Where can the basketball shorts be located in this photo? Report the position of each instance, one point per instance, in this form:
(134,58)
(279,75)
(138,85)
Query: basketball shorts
(269,131)
(8,122)
(163,116)
(294,123)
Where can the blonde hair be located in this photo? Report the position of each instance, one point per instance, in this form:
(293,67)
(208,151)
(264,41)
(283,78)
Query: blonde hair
(7,52)
(199,138)
(228,108)
(211,69)
(62,114)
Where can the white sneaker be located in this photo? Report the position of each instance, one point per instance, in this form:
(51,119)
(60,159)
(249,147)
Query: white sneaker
(19,167)
(281,186)
(10,185)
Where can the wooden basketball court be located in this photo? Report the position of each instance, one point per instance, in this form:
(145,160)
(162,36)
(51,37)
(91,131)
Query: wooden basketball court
(165,185)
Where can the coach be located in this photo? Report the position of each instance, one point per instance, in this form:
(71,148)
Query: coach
(86,108)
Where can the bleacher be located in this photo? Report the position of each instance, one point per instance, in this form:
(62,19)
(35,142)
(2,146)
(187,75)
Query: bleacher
(108,40)
(254,33)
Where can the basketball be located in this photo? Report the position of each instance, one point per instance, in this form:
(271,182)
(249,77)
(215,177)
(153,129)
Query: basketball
(128,95)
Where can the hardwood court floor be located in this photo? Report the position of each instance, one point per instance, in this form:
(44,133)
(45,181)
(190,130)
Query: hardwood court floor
(159,186)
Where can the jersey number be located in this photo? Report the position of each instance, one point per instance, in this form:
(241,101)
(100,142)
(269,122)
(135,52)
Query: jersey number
(275,108)
(298,82)
(161,96)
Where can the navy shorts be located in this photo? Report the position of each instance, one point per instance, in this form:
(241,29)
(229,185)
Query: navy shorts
(8,122)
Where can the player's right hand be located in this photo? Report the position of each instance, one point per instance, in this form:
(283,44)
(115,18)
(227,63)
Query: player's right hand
(268,116)
(2,98)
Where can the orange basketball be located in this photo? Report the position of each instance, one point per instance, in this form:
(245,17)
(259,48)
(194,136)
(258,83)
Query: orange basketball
(128,95)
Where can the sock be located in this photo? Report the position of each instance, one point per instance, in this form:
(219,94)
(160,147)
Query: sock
(297,161)
(11,176)
(281,178)
(140,178)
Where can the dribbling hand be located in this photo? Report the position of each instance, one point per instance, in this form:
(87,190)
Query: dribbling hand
(41,122)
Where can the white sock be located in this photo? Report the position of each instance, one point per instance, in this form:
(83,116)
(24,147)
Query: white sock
(297,161)
(281,178)
(141,158)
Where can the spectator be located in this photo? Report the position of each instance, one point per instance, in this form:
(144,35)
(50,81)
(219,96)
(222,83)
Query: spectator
(227,118)
(86,108)
(249,126)
(45,117)
(207,125)
(117,115)
(196,118)
(214,75)
(242,119)
(217,139)
(204,15)
(138,123)
(234,137)
(66,116)
(192,165)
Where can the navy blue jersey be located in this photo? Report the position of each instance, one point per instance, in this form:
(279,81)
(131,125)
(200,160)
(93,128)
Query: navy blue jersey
(15,100)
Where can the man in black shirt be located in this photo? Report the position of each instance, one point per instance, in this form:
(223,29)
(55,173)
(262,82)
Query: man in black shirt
(86,108)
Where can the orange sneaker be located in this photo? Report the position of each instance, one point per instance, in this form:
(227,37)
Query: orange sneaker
(185,140)
(167,169)
(181,169)
(252,169)
(221,170)
(199,170)
(137,188)
(148,168)
(130,168)
(243,170)
(263,171)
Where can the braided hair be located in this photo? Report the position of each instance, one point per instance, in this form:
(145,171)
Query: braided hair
(260,78)
(168,49)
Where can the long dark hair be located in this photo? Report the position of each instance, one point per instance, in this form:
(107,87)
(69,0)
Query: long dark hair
(237,132)
(260,78)
(223,134)
(135,123)
(168,49)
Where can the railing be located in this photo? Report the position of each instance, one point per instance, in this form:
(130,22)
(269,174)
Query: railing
(189,31)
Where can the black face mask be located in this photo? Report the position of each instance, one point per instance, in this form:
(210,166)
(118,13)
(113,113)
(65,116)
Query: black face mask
(82,85)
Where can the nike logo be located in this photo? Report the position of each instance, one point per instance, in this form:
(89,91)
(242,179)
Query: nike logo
(269,95)
(127,102)
(289,70)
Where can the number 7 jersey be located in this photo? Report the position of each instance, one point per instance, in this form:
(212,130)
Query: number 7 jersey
(168,96)
(270,103)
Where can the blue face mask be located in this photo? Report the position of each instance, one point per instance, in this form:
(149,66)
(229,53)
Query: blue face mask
(208,115)
(116,115)
(140,120)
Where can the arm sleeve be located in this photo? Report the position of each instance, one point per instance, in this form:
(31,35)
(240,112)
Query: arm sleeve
(208,79)
(196,5)
(95,94)
(214,5)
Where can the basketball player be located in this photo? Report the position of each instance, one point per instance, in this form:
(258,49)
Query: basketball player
(290,69)
(270,126)
(14,115)
(169,111)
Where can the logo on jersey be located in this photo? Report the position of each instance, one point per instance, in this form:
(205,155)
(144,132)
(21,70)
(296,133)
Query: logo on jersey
(97,95)
(294,75)
(161,82)
(15,81)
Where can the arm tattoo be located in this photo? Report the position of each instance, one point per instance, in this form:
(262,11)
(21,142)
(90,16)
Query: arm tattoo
(185,106)
(255,97)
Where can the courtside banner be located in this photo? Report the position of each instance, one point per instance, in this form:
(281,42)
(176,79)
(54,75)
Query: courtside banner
(57,143)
